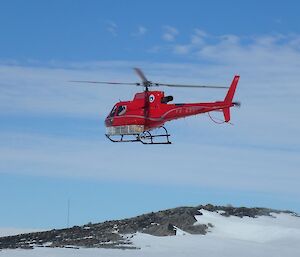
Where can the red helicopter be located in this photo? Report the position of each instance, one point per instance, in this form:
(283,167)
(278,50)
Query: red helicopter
(134,121)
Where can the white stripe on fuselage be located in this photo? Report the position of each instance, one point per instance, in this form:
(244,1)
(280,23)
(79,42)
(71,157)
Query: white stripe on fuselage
(164,115)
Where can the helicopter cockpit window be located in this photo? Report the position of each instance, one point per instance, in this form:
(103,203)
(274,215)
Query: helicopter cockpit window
(113,111)
(121,110)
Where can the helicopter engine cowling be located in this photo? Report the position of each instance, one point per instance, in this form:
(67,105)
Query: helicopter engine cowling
(167,99)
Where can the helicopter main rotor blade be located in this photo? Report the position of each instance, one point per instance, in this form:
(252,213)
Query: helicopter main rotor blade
(188,86)
(141,75)
(106,82)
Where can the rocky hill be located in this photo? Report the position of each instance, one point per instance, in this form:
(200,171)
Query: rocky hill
(118,233)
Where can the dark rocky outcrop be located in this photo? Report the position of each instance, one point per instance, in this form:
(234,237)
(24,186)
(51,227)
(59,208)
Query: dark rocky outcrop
(118,233)
(242,211)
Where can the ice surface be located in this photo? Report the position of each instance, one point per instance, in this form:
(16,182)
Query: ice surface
(262,229)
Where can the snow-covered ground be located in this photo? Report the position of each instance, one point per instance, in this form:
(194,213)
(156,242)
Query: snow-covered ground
(230,236)
(16,231)
(264,229)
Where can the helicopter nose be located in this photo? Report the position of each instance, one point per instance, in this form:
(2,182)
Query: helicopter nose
(109,121)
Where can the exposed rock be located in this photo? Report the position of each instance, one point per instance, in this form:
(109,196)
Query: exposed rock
(242,211)
(116,234)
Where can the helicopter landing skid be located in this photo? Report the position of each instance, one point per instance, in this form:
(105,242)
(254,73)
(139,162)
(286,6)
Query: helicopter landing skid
(122,139)
(146,138)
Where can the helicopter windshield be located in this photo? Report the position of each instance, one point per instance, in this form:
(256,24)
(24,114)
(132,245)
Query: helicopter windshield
(113,111)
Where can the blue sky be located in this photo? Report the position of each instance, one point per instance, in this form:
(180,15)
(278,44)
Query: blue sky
(51,132)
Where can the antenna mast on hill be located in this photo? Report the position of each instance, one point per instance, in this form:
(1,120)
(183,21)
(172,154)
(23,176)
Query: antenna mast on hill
(68,213)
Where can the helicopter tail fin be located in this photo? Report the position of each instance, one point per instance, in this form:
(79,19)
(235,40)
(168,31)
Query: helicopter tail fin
(231,90)
(229,97)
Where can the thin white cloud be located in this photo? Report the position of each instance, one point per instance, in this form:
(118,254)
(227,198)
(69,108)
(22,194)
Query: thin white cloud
(112,28)
(263,145)
(278,21)
(265,54)
(169,33)
(141,31)
(295,42)
(82,158)
(229,39)
(181,49)
(155,49)
(34,90)
(198,37)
